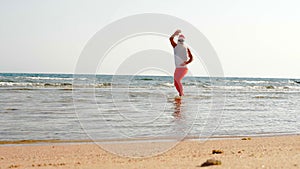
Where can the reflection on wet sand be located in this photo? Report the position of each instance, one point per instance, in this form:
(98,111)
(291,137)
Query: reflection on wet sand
(177,108)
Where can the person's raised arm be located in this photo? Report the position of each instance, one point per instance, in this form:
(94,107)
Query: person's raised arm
(172,38)
(172,41)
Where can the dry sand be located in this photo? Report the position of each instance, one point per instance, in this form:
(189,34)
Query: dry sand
(259,152)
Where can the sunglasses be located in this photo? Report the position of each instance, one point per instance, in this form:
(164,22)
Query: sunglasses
(180,40)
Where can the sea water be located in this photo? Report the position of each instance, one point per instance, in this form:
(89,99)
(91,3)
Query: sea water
(103,107)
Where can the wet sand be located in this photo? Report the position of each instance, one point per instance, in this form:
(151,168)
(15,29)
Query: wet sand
(257,152)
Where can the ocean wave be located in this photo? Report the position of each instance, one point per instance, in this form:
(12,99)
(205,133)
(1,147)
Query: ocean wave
(52,85)
(28,84)
(248,81)
(227,87)
(146,79)
(267,97)
(22,88)
(56,84)
(43,78)
(189,83)
(102,85)
(6,80)
(12,84)
(66,89)
(297,82)
(271,87)
(267,87)
(11,109)
(166,85)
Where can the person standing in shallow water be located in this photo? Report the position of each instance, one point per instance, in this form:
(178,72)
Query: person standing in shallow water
(182,57)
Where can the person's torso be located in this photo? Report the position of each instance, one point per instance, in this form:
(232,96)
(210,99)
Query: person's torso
(180,55)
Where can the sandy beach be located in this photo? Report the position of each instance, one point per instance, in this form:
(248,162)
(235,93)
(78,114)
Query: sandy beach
(257,152)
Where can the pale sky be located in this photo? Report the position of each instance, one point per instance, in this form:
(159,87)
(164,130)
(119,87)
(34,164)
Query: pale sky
(253,38)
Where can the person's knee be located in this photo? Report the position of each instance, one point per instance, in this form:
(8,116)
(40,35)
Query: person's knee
(177,82)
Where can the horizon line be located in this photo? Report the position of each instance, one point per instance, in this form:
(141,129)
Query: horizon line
(70,73)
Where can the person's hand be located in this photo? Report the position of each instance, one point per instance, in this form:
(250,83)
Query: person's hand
(183,64)
(177,32)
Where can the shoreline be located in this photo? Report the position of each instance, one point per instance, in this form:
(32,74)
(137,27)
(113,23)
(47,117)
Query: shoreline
(132,140)
(257,152)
